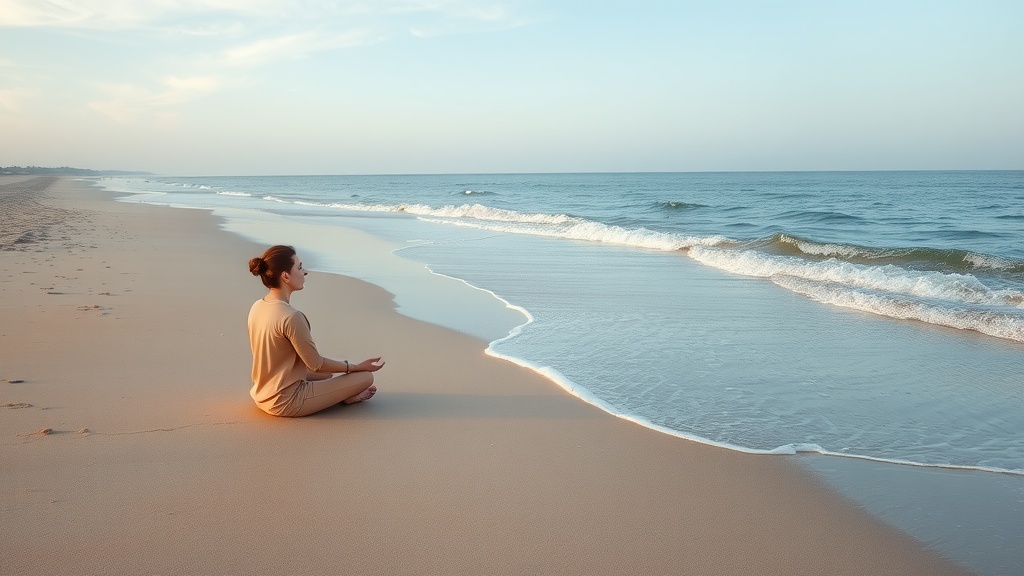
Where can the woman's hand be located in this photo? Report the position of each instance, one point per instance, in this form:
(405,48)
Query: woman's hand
(369,365)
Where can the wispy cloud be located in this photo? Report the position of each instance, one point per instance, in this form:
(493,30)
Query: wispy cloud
(225,16)
(442,18)
(207,42)
(292,46)
(69,14)
(122,14)
(243,21)
(124,103)
(12,100)
(129,103)
(196,84)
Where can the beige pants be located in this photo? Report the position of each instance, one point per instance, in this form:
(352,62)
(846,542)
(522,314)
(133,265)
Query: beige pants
(309,396)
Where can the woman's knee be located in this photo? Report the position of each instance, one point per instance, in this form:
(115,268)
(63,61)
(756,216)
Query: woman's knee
(362,378)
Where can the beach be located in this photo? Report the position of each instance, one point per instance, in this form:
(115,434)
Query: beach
(130,444)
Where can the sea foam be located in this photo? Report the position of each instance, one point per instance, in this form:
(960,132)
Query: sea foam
(561,226)
(957,288)
(993,323)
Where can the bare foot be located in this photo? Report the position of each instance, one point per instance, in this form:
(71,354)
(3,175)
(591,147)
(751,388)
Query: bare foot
(364,395)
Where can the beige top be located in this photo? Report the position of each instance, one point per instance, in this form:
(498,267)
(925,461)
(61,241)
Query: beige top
(283,352)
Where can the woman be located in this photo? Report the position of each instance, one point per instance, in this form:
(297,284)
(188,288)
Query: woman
(289,376)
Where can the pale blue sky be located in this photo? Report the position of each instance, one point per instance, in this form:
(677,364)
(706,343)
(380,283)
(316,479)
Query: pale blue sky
(389,86)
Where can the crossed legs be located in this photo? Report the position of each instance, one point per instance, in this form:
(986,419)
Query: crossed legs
(347,388)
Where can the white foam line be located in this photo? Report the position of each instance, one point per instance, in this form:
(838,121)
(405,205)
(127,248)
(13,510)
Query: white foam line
(1016,472)
(586,396)
(787,449)
(509,305)
(590,231)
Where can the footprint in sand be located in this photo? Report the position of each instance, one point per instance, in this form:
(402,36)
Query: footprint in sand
(51,432)
(94,308)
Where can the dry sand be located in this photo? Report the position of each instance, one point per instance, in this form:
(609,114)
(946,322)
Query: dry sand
(129,444)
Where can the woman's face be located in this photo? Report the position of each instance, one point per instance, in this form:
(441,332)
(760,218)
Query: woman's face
(296,278)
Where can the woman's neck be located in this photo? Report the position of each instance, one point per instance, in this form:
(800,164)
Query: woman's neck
(278,294)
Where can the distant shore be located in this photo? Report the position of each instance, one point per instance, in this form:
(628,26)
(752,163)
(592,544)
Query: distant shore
(64,171)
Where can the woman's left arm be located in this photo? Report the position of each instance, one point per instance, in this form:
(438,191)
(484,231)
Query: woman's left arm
(344,366)
(319,367)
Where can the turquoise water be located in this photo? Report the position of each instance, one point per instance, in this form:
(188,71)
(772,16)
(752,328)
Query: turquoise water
(876,315)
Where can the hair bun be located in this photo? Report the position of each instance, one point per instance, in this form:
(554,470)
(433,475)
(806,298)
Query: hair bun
(257,266)
(277,260)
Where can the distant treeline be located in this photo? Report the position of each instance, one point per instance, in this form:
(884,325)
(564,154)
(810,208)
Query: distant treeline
(62,171)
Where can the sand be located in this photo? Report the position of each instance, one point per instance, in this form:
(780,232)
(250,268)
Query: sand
(129,444)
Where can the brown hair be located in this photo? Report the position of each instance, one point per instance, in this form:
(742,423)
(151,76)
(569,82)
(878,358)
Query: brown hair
(275,260)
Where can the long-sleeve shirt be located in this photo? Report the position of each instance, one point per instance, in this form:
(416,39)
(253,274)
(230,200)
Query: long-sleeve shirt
(283,352)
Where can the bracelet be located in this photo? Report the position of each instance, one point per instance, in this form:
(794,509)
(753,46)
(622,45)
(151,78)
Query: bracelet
(348,369)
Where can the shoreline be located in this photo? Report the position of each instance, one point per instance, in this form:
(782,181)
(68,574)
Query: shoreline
(153,438)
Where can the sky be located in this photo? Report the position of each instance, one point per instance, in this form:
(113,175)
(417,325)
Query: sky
(260,87)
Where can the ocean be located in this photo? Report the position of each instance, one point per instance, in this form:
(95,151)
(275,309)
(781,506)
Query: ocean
(872,315)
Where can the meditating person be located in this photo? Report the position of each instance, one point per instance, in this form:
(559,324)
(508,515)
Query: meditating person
(289,376)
